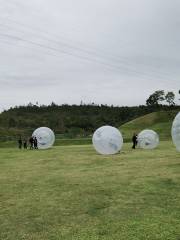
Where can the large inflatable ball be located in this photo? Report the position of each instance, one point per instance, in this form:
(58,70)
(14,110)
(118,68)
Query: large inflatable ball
(107,140)
(148,139)
(45,137)
(175,132)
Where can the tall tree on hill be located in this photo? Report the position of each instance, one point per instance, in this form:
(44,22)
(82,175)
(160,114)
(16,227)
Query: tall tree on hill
(155,98)
(169,97)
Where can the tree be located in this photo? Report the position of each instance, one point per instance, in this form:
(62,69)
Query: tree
(169,97)
(12,122)
(155,98)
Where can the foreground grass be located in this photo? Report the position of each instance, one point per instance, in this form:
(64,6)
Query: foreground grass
(73,193)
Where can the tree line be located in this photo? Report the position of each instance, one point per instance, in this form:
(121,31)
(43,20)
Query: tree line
(71,120)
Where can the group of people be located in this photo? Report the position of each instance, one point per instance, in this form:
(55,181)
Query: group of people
(32,143)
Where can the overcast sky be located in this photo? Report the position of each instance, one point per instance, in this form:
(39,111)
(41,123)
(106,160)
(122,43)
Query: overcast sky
(103,51)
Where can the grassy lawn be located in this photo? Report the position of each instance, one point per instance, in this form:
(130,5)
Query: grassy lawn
(73,193)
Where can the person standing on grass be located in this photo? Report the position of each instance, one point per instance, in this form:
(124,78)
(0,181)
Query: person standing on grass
(25,144)
(134,140)
(35,143)
(20,142)
(31,142)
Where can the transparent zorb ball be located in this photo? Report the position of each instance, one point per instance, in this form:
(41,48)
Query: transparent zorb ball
(107,140)
(45,137)
(148,139)
(175,132)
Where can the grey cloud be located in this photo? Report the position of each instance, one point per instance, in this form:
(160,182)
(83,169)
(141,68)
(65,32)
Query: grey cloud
(101,51)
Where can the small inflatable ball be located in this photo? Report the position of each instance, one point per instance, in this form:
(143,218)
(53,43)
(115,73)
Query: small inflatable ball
(107,140)
(148,139)
(45,137)
(175,132)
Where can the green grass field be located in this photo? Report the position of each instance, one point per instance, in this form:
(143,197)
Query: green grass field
(73,193)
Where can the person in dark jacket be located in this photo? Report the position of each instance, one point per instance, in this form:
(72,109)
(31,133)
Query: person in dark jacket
(31,142)
(134,140)
(20,142)
(35,143)
(25,144)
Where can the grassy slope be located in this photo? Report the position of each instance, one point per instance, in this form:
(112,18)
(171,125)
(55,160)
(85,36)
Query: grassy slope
(161,122)
(73,193)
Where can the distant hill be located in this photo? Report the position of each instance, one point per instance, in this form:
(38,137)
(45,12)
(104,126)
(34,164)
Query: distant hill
(160,122)
(79,121)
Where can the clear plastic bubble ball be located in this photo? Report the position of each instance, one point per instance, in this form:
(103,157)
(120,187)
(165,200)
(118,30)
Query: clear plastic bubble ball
(175,132)
(107,140)
(45,137)
(148,139)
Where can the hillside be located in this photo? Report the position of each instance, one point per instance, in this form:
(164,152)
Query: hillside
(160,122)
(73,121)
(67,120)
